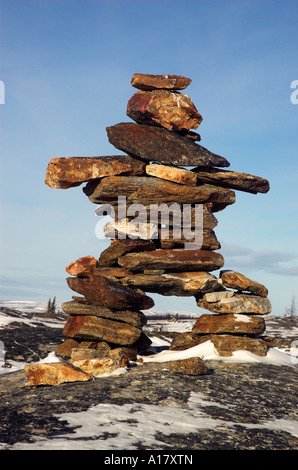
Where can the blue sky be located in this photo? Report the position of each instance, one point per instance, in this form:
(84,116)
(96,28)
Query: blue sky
(67,66)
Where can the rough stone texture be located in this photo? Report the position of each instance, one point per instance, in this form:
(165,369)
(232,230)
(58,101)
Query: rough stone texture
(112,271)
(135,318)
(240,282)
(149,190)
(227,344)
(239,303)
(130,229)
(168,109)
(216,296)
(118,248)
(180,284)
(229,323)
(81,266)
(54,374)
(67,172)
(109,293)
(173,260)
(144,81)
(64,349)
(151,143)
(192,366)
(101,329)
(233,179)
(171,173)
(97,366)
(195,239)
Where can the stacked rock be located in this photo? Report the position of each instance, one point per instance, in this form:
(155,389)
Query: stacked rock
(161,196)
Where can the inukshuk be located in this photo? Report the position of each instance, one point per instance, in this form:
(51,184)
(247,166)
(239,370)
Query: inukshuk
(162,195)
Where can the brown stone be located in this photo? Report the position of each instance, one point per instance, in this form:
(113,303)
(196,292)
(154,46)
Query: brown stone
(240,282)
(144,81)
(206,240)
(112,271)
(64,349)
(191,366)
(180,284)
(217,296)
(152,143)
(229,323)
(101,329)
(233,179)
(187,340)
(143,343)
(135,318)
(168,109)
(81,266)
(67,172)
(225,345)
(148,190)
(239,303)
(171,173)
(130,229)
(98,366)
(173,260)
(119,248)
(109,293)
(54,374)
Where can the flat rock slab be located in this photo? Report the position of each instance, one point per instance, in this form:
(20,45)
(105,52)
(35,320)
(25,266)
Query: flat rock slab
(118,248)
(239,303)
(54,374)
(240,282)
(151,143)
(171,173)
(229,323)
(173,260)
(233,179)
(67,172)
(89,327)
(109,293)
(173,111)
(144,81)
(82,265)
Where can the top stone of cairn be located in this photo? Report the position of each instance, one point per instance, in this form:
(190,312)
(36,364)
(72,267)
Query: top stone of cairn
(144,81)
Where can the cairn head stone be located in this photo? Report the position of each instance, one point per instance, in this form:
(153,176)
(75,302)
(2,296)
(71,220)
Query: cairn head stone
(144,81)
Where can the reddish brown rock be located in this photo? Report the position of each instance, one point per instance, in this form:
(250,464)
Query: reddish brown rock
(109,293)
(229,323)
(67,172)
(187,340)
(119,248)
(239,303)
(173,260)
(171,173)
(153,143)
(225,345)
(144,81)
(233,179)
(240,282)
(112,271)
(206,240)
(81,266)
(64,349)
(101,329)
(191,366)
(54,374)
(174,111)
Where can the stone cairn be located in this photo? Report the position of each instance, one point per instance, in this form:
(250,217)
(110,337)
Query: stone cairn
(151,251)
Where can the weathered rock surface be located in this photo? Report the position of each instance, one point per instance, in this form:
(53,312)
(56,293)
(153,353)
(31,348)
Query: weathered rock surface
(135,318)
(101,329)
(67,172)
(82,265)
(148,190)
(173,260)
(54,374)
(227,344)
(171,173)
(171,110)
(240,282)
(192,366)
(233,179)
(118,248)
(198,238)
(216,296)
(130,229)
(109,293)
(239,303)
(229,323)
(144,81)
(151,143)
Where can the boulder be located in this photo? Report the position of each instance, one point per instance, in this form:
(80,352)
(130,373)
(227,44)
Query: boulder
(225,345)
(239,303)
(240,282)
(144,81)
(171,110)
(191,366)
(152,143)
(67,172)
(229,323)
(54,373)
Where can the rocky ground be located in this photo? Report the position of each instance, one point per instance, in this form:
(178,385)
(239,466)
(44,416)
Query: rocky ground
(246,406)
